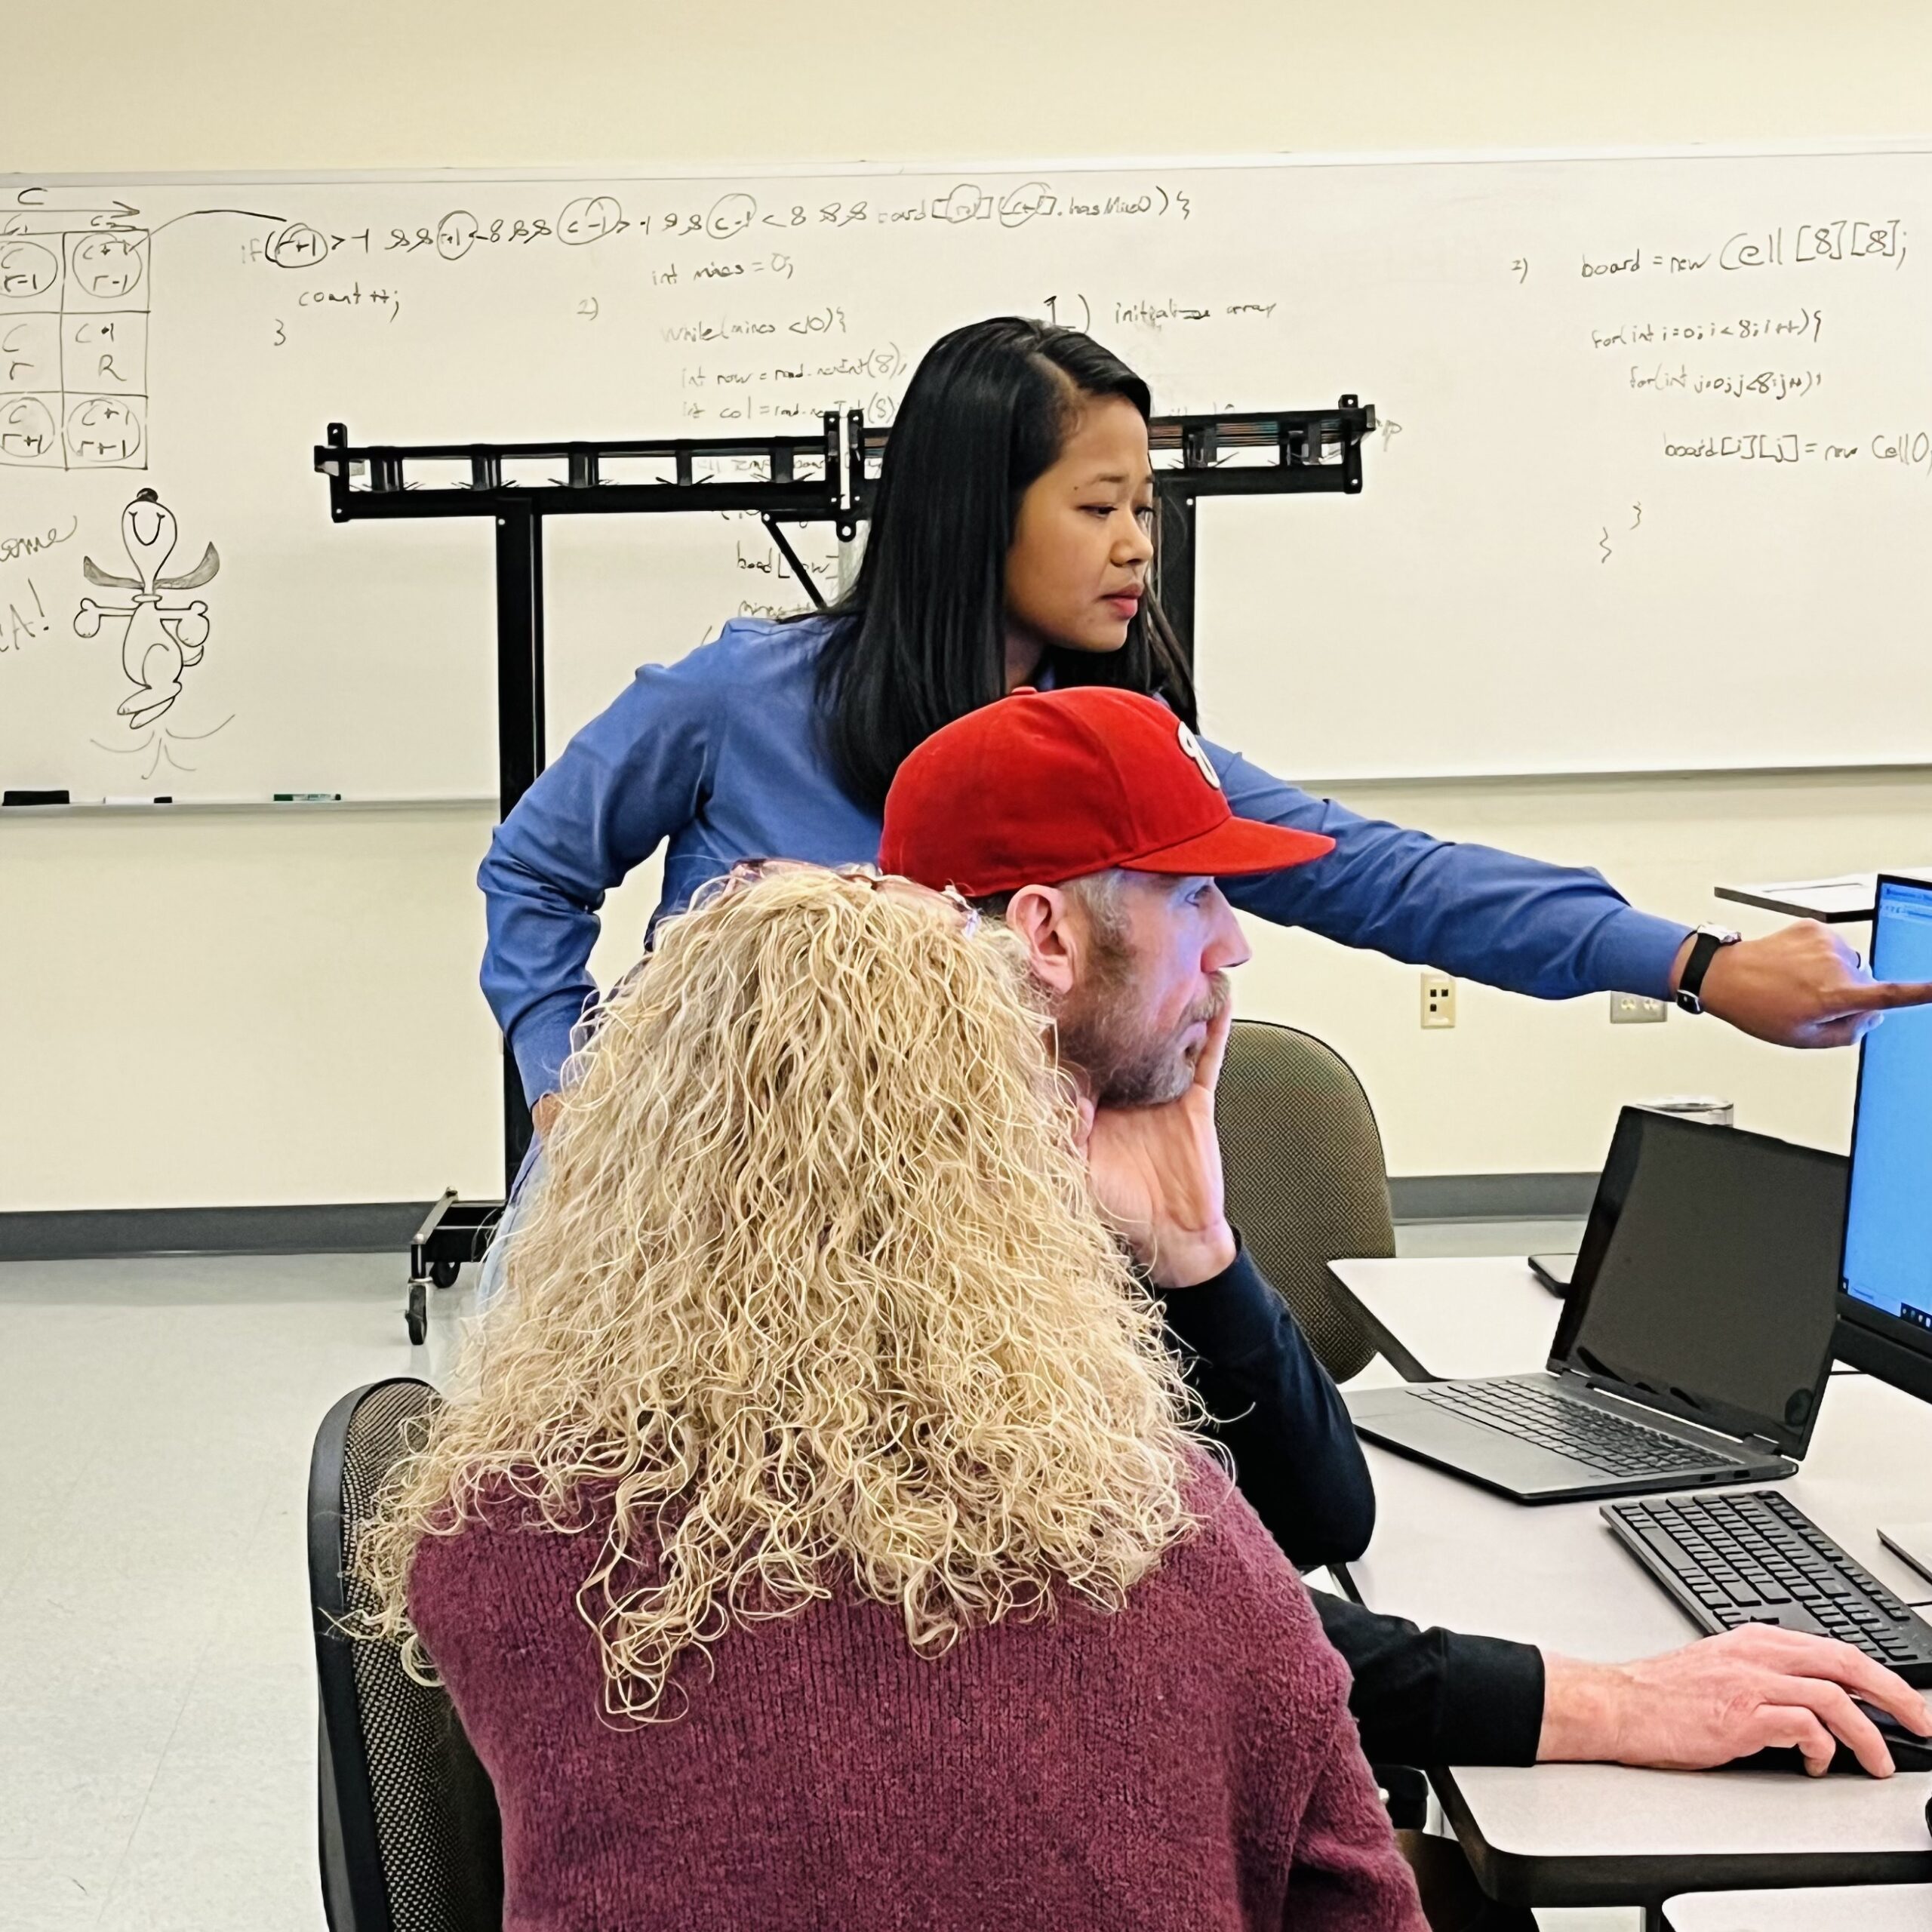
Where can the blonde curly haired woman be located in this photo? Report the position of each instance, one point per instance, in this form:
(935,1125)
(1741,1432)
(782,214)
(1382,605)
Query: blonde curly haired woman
(821,1540)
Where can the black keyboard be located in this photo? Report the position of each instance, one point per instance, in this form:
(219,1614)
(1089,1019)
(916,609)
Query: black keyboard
(1747,1556)
(1609,1443)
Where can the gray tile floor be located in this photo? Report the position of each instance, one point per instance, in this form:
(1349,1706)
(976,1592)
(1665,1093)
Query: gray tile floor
(157,1709)
(157,1706)
(1489,1237)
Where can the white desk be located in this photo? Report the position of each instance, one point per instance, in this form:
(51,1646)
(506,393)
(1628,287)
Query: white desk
(1453,1316)
(1868,1908)
(1446,1552)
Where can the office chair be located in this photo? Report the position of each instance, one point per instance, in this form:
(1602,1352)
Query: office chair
(1306,1183)
(410,1838)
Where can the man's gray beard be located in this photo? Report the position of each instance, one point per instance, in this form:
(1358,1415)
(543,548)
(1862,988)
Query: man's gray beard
(1123,1068)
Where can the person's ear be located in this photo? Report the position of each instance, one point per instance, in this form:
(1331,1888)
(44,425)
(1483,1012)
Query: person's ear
(1042,916)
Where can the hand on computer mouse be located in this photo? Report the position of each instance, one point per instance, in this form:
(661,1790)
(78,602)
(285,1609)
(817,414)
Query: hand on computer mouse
(1908,1752)
(1719,1700)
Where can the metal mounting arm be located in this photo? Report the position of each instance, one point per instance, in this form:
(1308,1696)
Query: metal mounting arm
(827,477)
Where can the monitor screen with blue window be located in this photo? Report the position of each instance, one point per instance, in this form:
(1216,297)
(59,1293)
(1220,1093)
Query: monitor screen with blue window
(1887,1272)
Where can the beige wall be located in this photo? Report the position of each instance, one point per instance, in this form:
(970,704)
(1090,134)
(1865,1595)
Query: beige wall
(237,1008)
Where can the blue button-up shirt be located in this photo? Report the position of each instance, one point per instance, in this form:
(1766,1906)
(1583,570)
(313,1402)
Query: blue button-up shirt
(718,757)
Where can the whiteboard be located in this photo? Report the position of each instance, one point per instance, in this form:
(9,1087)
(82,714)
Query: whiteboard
(1651,491)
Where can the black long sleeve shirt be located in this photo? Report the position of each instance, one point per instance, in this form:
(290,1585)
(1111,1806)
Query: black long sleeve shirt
(1420,1696)
(1297,1458)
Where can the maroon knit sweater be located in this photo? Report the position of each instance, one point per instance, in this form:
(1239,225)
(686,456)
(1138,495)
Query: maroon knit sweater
(1188,1762)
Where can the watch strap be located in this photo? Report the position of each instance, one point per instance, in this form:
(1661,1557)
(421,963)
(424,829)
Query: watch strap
(1709,943)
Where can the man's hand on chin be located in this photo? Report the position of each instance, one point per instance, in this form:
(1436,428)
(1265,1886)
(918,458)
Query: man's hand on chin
(1725,1697)
(1157,1175)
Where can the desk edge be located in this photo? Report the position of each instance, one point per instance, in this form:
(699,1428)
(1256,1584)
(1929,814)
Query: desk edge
(1647,1878)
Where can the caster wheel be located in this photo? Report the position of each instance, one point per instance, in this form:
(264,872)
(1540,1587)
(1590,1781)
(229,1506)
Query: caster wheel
(417,1315)
(443,1273)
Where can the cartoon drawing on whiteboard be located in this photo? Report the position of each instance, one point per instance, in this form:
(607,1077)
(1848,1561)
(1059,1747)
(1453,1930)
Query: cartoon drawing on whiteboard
(161,640)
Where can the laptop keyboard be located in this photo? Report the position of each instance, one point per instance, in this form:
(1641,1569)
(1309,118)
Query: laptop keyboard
(1608,1443)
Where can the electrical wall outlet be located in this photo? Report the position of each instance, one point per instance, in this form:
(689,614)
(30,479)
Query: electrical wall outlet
(1635,1010)
(1438,1000)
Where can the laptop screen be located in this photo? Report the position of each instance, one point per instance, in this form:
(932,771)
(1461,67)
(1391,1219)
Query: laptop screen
(1888,1226)
(1707,1282)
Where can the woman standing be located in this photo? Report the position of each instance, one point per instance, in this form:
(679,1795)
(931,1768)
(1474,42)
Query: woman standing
(1010,544)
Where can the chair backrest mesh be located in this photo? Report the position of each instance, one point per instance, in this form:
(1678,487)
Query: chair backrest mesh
(1306,1180)
(435,1815)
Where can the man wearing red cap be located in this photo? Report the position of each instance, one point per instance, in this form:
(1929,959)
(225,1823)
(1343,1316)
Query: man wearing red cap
(1092,821)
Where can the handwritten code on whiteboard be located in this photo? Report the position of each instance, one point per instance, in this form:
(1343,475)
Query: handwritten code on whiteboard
(1672,409)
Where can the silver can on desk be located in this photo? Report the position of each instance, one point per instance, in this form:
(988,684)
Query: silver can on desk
(1702,1108)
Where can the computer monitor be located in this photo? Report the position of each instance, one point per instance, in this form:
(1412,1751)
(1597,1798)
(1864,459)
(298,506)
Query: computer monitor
(1885,1280)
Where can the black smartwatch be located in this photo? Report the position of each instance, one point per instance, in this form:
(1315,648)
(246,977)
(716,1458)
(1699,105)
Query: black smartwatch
(1709,943)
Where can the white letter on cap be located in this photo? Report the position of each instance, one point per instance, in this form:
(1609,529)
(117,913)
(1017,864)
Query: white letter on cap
(1190,744)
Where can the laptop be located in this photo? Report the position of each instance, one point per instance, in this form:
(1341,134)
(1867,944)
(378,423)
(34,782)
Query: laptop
(1695,1344)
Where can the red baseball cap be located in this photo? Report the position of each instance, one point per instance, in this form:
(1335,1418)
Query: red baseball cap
(1043,786)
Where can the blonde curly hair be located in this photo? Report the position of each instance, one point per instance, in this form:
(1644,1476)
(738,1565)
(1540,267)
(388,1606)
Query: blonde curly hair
(813,1290)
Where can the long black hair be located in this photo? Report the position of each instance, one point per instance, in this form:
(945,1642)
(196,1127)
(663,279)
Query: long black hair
(920,638)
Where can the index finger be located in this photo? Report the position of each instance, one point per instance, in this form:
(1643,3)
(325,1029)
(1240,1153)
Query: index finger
(1213,1049)
(1885,995)
(1801,1655)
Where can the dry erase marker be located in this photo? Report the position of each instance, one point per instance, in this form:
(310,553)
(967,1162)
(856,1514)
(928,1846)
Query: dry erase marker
(160,798)
(308,797)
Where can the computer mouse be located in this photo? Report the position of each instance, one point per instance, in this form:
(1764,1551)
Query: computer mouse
(1910,1752)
